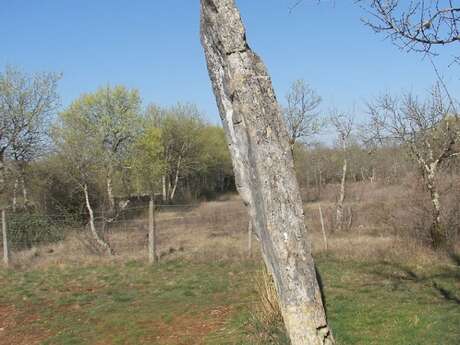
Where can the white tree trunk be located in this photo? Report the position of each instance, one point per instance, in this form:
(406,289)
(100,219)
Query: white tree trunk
(339,215)
(6,252)
(25,196)
(264,169)
(110,196)
(163,183)
(176,178)
(323,228)
(92,226)
(372,178)
(2,173)
(437,233)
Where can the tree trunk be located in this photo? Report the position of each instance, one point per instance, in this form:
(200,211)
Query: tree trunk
(152,232)
(2,173)
(92,226)
(320,182)
(437,233)
(15,191)
(25,194)
(322,227)
(264,170)
(163,183)
(169,187)
(372,178)
(249,239)
(176,179)
(110,196)
(339,214)
(6,252)
(292,145)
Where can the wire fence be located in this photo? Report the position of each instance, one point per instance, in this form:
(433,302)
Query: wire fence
(187,229)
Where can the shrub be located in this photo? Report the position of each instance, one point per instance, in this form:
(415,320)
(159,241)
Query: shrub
(267,321)
(27,229)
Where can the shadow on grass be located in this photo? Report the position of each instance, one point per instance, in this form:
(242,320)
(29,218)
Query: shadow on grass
(393,273)
(455,258)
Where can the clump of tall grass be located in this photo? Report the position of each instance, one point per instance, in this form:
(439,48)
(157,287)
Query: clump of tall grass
(267,320)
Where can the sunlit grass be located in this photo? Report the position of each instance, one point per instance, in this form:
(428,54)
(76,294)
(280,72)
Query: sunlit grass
(182,302)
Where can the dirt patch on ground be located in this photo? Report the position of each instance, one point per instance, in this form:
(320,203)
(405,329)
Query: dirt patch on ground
(19,328)
(189,328)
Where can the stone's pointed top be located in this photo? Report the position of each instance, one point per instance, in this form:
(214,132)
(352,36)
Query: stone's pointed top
(228,30)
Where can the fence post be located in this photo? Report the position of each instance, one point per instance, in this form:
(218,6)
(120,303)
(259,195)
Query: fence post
(322,227)
(6,253)
(152,233)
(250,239)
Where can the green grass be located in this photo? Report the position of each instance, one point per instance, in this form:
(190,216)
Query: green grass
(190,303)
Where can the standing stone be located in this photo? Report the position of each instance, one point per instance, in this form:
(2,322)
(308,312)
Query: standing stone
(264,169)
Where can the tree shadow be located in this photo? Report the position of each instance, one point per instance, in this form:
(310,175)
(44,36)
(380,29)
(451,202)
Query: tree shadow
(321,287)
(455,258)
(399,273)
(447,294)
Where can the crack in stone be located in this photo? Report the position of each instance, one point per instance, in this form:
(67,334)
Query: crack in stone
(325,334)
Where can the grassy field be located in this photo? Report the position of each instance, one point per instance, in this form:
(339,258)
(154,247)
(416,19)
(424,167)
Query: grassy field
(184,302)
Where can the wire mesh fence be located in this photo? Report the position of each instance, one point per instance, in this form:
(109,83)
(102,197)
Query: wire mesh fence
(188,230)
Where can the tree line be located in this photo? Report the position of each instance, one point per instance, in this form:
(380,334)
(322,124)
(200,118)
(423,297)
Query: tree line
(106,148)
(102,150)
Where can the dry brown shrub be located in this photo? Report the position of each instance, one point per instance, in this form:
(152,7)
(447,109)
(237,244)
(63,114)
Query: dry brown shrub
(267,321)
(268,310)
(389,223)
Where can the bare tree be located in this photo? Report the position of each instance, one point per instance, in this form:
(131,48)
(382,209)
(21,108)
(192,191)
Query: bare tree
(301,114)
(264,169)
(416,25)
(431,133)
(343,125)
(27,102)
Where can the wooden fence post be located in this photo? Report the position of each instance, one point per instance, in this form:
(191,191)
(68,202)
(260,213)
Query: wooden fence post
(6,253)
(152,233)
(322,227)
(250,239)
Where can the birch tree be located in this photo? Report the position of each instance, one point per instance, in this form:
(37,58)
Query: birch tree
(429,130)
(181,127)
(77,142)
(112,115)
(264,169)
(343,125)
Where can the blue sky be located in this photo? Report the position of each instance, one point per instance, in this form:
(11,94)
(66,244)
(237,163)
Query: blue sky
(153,45)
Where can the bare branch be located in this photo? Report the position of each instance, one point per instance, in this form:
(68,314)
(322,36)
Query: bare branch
(417,26)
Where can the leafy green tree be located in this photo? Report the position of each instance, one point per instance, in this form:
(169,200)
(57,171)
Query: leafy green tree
(216,163)
(181,126)
(93,137)
(111,116)
(147,162)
